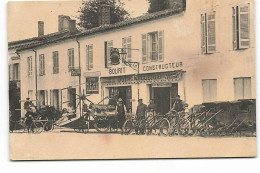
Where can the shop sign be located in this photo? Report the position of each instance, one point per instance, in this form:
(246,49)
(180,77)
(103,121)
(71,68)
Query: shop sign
(117,70)
(150,78)
(165,66)
(161,85)
(75,72)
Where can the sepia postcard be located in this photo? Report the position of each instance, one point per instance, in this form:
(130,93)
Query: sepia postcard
(131,79)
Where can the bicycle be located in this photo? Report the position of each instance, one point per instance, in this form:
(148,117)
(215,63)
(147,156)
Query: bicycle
(179,123)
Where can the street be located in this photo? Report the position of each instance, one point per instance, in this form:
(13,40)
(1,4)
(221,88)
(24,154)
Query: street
(67,144)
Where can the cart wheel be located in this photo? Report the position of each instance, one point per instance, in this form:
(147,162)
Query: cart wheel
(164,127)
(127,127)
(48,126)
(114,126)
(101,124)
(36,127)
(20,127)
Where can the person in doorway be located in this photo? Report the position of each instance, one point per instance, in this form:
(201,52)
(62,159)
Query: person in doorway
(141,110)
(121,111)
(178,104)
(151,107)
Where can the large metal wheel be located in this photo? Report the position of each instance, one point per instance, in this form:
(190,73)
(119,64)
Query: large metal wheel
(101,124)
(164,127)
(127,127)
(36,127)
(48,126)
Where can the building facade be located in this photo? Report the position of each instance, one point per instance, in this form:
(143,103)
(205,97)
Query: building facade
(204,52)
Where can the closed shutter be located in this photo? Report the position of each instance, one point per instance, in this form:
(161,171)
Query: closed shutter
(203,34)
(247,88)
(46,97)
(60,99)
(91,56)
(239,89)
(144,48)
(209,90)
(51,97)
(129,47)
(244,41)
(87,57)
(235,27)
(10,72)
(109,46)
(161,46)
(211,33)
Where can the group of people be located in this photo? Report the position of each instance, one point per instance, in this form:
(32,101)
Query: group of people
(142,109)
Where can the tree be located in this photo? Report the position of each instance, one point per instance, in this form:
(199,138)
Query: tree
(157,5)
(89,12)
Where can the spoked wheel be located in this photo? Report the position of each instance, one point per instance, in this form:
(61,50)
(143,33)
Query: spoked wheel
(101,124)
(48,126)
(142,127)
(36,127)
(184,126)
(114,126)
(173,126)
(164,127)
(20,127)
(127,127)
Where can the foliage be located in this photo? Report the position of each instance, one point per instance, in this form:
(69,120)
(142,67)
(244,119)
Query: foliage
(89,12)
(157,5)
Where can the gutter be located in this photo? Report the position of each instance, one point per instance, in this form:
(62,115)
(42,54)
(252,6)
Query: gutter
(36,87)
(80,94)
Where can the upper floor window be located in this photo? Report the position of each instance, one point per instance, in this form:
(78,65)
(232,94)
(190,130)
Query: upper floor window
(42,65)
(89,59)
(242,88)
(29,66)
(153,47)
(208,33)
(126,43)
(70,59)
(241,27)
(108,46)
(209,87)
(16,71)
(55,58)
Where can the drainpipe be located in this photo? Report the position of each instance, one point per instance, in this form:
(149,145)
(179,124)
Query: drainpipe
(36,88)
(79,77)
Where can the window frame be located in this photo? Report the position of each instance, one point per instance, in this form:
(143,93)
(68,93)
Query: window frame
(89,51)
(55,60)
(71,59)
(29,66)
(41,65)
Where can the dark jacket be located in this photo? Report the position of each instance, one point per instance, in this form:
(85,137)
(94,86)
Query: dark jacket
(141,109)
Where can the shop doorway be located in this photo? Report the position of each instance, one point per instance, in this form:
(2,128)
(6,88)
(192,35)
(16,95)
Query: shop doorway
(125,93)
(72,97)
(164,97)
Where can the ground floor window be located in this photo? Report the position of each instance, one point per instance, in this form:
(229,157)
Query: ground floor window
(42,97)
(72,97)
(209,87)
(125,93)
(242,87)
(92,85)
(163,96)
(55,98)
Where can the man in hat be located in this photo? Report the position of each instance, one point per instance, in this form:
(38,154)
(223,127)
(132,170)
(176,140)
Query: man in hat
(178,104)
(152,107)
(29,113)
(141,110)
(121,111)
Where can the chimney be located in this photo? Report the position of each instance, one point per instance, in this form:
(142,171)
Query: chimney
(63,22)
(40,28)
(72,25)
(178,4)
(104,15)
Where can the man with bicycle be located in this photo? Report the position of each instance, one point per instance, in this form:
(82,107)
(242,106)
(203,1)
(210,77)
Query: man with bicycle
(178,104)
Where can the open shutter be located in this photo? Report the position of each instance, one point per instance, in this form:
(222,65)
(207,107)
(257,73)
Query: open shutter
(60,99)
(144,48)
(46,97)
(203,34)
(211,33)
(235,27)
(244,41)
(91,56)
(87,57)
(129,46)
(161,46)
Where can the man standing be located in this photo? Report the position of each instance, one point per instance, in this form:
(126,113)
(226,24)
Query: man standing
(121,110)
(141,110)
(152,107)
(178,105)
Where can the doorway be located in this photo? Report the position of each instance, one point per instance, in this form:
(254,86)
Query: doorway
(72,97)
(125,93)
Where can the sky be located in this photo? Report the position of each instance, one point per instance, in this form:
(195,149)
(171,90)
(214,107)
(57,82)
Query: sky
(23,16)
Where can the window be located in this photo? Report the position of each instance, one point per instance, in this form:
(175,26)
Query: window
(208,33)
(89,59)
(241,34)
(29,66)
(126,43)
(16,71)
(42,97)
(153,47)
(71,59)
(30,94)
(92,86)
(42,64)
(242,88)
(209,90)
(108,46)
(55,58)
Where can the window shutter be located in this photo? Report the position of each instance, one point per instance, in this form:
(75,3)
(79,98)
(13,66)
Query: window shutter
(87,57)
(244,41)
(203,34)
(235,28)
(46,97)
(109,46)
(144,48)
(161,46)
(90,56)
(43,64)
(211,33)
(129,46)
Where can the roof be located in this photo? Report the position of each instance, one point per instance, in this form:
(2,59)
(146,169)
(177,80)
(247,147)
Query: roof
(55,37)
